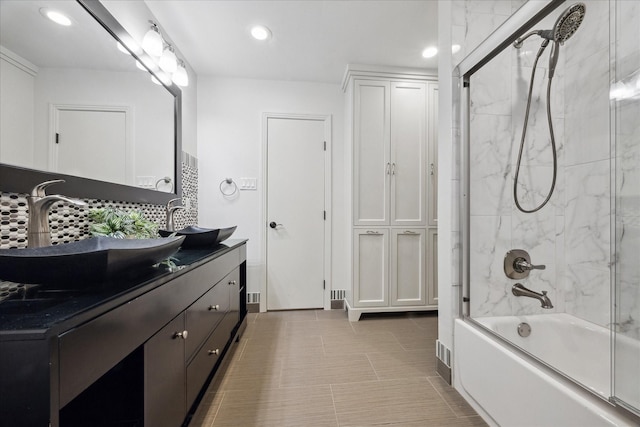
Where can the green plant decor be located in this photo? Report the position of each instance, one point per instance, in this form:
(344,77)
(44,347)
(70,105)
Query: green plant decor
(121,224)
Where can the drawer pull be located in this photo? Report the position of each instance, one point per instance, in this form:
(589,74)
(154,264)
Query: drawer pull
(373,232)
(232,282)
(214,352)
(214,307)
(183,335)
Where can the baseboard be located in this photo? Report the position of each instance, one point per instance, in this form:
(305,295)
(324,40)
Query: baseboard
(443,370)
(253,308)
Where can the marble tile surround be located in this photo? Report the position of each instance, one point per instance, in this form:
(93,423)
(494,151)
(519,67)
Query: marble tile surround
(572,236)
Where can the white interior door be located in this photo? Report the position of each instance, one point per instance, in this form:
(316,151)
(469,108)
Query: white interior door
(295,213)
(106,158)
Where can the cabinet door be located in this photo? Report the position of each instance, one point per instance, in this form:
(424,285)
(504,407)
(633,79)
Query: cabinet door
(408,154)
(164,376)
(371,258)
(432,189)
(432,266)
(371,164)
(408,267)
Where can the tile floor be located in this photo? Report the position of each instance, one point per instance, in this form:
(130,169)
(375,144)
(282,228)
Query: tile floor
(315,368)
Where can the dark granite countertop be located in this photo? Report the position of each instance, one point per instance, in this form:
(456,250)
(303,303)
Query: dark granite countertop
(34,310)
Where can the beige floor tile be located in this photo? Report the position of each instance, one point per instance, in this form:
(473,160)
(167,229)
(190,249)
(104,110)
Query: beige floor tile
(360,343)
(315,368)
(332,315)
(390,401)
(452,397)
(306,406)
(318,327)
(403,364)
(207,410)
(328,370)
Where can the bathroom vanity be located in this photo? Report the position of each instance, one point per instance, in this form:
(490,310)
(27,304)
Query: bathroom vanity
(134,351)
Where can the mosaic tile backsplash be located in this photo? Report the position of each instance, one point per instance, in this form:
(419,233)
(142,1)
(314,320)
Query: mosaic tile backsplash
(69,223)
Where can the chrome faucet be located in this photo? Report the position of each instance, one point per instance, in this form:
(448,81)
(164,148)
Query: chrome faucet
(520,291)
(38,232)
(170,210)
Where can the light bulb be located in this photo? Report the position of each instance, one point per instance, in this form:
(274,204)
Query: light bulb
(168,61)
(55,16)
(152,42)
(260,32)
(180,77)
(430,52)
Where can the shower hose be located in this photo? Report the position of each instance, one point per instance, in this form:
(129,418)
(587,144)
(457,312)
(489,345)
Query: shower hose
(524,132)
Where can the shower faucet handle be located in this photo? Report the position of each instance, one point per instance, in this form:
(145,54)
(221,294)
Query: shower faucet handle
(517,264)
(521,265)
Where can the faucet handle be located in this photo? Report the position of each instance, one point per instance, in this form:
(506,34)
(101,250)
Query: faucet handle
(38,190)
(521,265)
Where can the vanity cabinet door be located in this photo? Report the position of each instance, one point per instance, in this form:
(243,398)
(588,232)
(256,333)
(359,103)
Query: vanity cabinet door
(164,376)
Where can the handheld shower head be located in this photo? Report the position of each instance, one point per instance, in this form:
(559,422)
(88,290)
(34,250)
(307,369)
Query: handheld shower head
(565,26)
(568,22)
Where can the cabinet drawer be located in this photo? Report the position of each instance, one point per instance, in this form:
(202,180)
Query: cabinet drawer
(207,312)
(205,359)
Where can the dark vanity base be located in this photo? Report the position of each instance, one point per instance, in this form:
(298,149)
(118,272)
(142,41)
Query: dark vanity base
(139,357)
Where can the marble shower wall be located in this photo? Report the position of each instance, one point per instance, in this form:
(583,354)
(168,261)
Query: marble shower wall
(571,234)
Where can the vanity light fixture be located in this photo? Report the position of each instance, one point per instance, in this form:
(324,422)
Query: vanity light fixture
(55,16)
(168,61)
(260,32)
(181,77)
(430,52)
(152,42)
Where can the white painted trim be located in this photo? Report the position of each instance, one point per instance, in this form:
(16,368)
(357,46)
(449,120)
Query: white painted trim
(18,61)
(54,111)
(379,71)
(327,119)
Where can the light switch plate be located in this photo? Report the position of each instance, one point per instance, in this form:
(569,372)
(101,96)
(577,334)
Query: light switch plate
(146,181)
(248,184)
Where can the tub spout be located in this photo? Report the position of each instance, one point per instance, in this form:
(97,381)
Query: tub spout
(520,291)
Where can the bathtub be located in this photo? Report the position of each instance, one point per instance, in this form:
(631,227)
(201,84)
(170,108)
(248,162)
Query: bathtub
(511,389)
(579,349)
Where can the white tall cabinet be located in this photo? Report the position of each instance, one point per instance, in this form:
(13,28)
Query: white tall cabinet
(390,130)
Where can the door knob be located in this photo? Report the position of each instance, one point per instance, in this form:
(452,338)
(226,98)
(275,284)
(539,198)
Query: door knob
(273,225)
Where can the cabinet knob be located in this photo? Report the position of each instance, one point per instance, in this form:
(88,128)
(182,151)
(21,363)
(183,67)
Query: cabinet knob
(214,307)
(183,335)
(232,282)
(214,352)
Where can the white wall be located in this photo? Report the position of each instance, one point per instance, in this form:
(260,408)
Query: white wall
(230,145)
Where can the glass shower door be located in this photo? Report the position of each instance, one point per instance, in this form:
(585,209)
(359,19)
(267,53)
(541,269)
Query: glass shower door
(625,106)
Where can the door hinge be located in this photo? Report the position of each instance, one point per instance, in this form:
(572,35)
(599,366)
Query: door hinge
(324,284)
(324,213)
(57,138)
(325,145)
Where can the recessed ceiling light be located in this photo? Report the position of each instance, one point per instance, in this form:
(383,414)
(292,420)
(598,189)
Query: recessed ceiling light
(260,32)
(455,48)
(55,16)
(430,52)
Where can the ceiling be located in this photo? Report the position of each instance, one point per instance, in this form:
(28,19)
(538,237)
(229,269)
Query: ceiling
(313,40)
